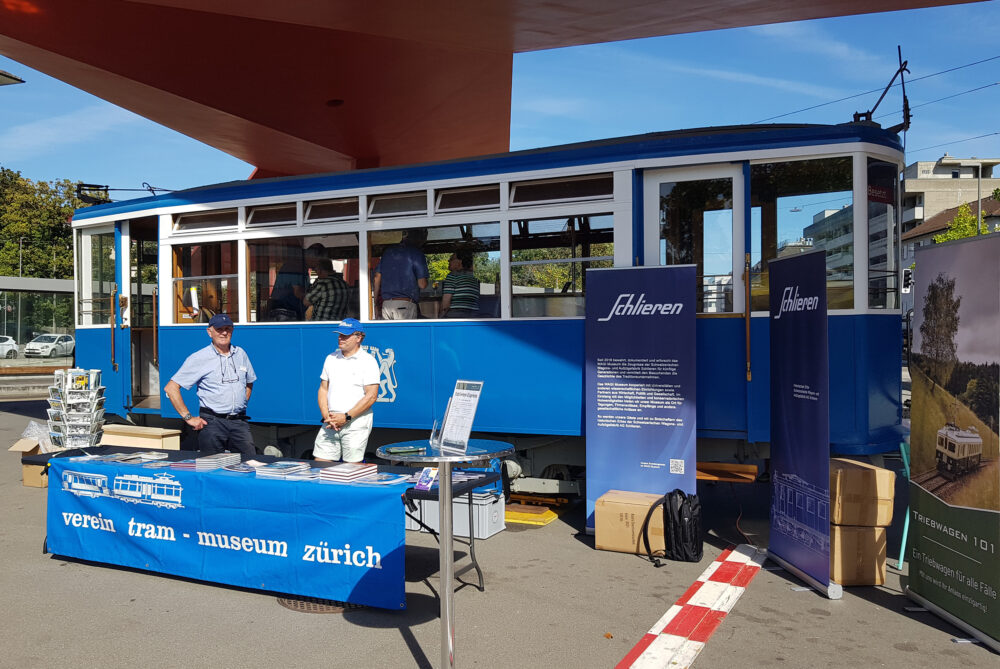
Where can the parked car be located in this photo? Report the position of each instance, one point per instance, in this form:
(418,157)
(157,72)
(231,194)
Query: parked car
(8,347)
(50,345)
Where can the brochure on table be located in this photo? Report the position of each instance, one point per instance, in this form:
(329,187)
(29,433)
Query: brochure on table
(458,417)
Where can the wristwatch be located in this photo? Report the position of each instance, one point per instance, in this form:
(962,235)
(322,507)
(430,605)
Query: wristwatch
(186,416)
(347,417)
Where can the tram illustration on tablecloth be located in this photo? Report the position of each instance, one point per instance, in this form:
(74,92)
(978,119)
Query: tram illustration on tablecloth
(161,490)
(801,511)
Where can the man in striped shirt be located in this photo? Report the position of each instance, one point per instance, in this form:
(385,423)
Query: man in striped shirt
(461,288)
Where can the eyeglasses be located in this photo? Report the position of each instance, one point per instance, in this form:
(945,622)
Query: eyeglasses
(225,367)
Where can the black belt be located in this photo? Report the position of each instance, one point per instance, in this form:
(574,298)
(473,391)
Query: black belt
(228,416)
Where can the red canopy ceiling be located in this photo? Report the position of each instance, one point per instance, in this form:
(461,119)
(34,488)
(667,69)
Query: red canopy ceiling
(304,86)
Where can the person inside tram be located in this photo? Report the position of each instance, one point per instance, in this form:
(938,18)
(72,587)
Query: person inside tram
(401,275)
(289,290)
(328,297)
(460,298)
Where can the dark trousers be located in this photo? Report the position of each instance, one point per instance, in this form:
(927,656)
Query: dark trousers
(221,434)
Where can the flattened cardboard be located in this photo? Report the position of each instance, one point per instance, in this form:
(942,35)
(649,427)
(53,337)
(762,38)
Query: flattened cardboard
(25,446)
(618,518)
(860,494)
(857,555)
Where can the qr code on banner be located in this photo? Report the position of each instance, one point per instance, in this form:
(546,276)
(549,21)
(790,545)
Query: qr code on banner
(676,466)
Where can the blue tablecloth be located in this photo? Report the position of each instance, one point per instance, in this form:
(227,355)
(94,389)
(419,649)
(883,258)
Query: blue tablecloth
(333,541)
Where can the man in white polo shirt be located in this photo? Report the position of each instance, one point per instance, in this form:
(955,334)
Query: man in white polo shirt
(347,390)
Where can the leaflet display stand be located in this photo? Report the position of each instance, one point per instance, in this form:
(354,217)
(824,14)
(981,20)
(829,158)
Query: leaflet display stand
(456,426)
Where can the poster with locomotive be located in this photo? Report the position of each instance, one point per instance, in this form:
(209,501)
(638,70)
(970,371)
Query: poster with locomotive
(955,476)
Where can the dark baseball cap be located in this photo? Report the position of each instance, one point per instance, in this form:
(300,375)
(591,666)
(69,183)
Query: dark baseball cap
(221,321)
(349,326)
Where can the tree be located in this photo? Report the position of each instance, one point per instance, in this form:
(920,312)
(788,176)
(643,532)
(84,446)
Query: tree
(36,238)
(965,224)
(939,328)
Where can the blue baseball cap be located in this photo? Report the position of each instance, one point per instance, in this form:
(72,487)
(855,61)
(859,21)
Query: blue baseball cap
(350,326)
(221,321)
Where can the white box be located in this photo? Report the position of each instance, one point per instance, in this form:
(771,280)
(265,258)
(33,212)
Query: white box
(487,514)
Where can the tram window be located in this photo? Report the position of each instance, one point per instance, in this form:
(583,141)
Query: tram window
(205,282)
(883,234)
(468,199)
(312,277)
(398,204)
(96,278)
(282,214)
(340,209)
(205,220)
(801,206)
(696,227)
(549,257)
(470,281)
(572,189)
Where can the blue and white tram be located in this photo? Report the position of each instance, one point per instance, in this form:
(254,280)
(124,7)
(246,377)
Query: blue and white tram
(729,199)
(159,490)
(85,484)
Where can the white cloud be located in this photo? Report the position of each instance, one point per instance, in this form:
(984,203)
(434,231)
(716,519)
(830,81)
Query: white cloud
(650,64)
(810,38)
(49,136)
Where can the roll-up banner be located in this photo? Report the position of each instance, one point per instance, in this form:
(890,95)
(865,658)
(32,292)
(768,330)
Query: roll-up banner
(333,541)
(800,418)
(954,476)
(640,381)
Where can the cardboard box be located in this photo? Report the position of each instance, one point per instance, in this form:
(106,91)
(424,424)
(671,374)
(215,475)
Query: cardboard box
(618,518)
(31,475)
(860,494)
(141,437)
(857,555)
(487,515)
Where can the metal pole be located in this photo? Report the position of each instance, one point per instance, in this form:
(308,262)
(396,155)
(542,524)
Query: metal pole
(53,294)
(20,268)
(447,568)
(979,197)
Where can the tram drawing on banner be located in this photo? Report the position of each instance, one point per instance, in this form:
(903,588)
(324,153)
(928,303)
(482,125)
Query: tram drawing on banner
(85,484)
(958,451)
(161,490)
(802,512)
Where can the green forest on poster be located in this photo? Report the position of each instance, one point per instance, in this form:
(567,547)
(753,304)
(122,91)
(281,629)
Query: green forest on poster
(955,477)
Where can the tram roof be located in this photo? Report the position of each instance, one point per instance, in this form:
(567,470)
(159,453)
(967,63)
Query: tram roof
(675,143)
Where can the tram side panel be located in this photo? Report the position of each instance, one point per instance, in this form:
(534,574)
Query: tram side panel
(533,372)
(865,383)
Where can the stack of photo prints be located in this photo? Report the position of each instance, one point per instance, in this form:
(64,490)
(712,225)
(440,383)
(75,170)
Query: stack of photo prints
(76,413)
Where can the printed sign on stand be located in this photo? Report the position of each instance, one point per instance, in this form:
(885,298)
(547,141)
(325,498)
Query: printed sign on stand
(640,381)
(954,564)
(800,419)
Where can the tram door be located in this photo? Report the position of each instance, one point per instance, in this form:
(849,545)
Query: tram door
(695,216)
(142,255)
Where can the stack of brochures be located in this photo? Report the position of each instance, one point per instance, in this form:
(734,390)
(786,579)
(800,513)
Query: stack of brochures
(304,475)
(280,470)
(183,464)
(216,460)
(149,456)
(348,471)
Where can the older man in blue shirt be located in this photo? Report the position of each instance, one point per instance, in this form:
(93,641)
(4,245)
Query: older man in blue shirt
(225,378)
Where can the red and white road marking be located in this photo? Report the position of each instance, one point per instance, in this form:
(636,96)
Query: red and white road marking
(677,638)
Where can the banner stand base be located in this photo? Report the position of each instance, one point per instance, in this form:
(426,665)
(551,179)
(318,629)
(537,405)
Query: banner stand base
(957,622)
(830,589)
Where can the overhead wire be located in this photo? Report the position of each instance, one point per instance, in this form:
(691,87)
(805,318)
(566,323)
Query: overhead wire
(957,141)
(876,90)
(947,97)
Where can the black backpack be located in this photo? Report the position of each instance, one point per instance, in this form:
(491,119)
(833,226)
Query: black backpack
(681,527)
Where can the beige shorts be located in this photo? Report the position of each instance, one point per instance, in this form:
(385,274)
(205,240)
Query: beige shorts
(347,444)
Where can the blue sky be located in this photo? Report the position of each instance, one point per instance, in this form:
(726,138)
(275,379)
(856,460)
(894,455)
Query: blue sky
(49,130)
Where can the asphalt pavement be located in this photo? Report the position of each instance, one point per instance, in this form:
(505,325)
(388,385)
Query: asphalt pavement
(551,601)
